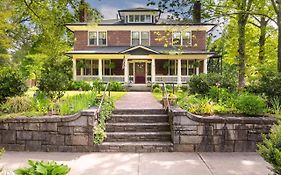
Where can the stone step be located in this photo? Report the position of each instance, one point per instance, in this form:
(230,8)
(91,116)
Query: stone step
(137,136)
(134,147)
(139,111)
(137,127)
(143,118)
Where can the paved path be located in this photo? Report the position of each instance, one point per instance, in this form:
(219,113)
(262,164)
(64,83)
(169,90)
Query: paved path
(146,163)
(138,100)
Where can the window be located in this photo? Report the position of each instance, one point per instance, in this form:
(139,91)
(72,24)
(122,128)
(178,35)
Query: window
(186,38)
(147,18)
(145,38)
(92,38)
(176,38)
(102,38)
(97,38)
(140,38)
(139,19)
(131,18)
(135,38)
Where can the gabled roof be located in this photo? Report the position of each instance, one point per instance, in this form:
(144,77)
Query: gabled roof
(139,47)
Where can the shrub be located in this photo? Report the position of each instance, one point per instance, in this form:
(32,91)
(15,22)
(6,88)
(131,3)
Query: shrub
(201,84)
(116,86)
(250,104)
(54,78)
(198,84)
(155,86)
(43,168)
(220,94)
(11,83)
(157,90)
(270,149)
(17,104)
(79,85)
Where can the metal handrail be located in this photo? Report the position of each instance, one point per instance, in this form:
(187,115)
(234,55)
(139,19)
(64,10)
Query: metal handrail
(102,99)
(165,95)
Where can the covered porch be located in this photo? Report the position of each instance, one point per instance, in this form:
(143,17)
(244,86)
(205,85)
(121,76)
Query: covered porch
(138,69)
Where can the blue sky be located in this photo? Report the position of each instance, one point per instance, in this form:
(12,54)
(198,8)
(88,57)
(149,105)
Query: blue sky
(109,8)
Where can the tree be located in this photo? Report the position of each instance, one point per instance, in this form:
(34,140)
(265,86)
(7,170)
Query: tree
(277,9)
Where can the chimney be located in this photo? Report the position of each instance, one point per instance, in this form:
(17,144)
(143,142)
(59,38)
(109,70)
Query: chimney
(197,12)
(83,11)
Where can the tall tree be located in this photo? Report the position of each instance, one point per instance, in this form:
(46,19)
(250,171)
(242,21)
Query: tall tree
(277,9)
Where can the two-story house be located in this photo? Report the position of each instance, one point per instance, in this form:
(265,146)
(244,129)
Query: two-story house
(139,47)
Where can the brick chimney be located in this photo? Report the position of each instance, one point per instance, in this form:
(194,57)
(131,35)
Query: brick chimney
(83,16)
(197,12)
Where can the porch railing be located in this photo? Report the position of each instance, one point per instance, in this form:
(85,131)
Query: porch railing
(109,78)
(166,78)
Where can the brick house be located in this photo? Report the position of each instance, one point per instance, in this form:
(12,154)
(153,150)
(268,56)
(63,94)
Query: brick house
(139,47)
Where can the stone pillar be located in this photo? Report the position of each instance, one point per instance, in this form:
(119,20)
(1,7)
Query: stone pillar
(153,70)
(100,68)
(179,71)
(74,69)
(205,66)
(126,71)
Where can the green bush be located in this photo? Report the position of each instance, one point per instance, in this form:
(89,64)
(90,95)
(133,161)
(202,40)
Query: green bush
(201,84)
(54,78)
(198,84)
(11,83)
(157,90)
(220,95)
(250,104)
(270,149)
(43,168)
(155,86)
(17,104)
(116,86)
(79,85)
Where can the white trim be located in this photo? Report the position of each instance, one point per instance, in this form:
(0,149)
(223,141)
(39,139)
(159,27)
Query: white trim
(97,33)
(140,46)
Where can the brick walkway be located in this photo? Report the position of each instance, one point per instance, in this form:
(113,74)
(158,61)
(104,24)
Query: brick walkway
(138,100)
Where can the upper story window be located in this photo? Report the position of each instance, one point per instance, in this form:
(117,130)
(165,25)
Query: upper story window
(139,19)
(182,38)
(97,38)
(140,38)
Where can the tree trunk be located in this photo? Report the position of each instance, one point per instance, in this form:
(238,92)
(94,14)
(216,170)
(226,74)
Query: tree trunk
(263,24)
(279,40)
(242,20)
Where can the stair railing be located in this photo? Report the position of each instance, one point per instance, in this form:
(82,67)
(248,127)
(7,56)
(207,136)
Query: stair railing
(103,98)
(166,103)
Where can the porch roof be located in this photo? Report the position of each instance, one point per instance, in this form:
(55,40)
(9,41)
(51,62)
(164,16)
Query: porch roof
(156,49)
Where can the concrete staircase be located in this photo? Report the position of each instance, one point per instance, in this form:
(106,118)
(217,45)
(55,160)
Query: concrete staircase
(137,130)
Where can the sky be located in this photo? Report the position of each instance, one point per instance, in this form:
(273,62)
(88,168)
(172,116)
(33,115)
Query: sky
(109,8)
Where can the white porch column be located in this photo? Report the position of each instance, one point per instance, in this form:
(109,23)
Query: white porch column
(126,71)
(74,69)
(153,70)
(205,66)
(187,68)
(179,71)
(100,68)
(197,70)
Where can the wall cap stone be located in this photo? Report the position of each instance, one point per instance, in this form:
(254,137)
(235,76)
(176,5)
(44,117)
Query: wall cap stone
(50,119)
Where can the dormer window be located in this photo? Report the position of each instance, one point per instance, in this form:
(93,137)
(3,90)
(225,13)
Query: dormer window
(139,19)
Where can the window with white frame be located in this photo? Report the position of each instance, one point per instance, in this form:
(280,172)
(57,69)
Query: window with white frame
(97,38)
(182,38)
(139,19)
(140,38)
(176,38)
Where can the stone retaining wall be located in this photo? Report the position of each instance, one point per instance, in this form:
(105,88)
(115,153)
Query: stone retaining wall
(216,134)
(49,133)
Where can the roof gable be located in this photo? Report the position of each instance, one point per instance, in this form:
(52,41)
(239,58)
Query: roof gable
(140,50)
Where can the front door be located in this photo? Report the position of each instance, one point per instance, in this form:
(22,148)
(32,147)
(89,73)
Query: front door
(140,73)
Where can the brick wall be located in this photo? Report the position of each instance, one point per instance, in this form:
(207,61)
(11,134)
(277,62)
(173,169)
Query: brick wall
(119,38)
(51,133)
(216,134)
(199,40)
